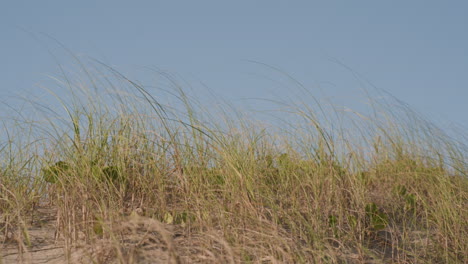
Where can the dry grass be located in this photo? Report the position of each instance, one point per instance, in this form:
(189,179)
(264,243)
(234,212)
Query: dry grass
(125,179)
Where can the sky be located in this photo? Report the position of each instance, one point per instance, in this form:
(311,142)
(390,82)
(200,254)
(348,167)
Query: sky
(415,50)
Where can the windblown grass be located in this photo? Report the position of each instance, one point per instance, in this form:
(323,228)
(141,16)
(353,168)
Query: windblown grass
(131,180)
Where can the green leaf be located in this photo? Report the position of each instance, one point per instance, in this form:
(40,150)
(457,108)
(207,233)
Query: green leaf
(352,220)
(52,173)
(168,218)
(98,229)
(377,219)
(332,220)
(112,173)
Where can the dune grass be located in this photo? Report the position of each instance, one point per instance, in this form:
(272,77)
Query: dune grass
(128,179)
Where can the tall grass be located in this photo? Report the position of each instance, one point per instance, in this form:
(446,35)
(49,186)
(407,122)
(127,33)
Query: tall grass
(129,179)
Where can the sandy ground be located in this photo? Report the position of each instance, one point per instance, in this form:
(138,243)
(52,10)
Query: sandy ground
(43,249)
(140,240)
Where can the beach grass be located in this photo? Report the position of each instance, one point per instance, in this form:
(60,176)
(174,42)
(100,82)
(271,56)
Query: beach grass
(117,176)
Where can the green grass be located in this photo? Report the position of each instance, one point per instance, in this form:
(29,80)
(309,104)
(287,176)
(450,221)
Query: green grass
(123,172)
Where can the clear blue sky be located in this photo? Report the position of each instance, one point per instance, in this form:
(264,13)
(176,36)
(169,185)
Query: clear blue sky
(416,50)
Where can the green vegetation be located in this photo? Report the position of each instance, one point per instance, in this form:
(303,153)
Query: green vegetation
(130,180)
